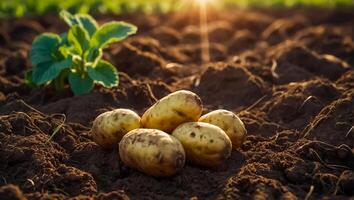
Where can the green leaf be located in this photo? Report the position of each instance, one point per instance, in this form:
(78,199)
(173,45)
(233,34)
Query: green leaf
(64,38)
(79,38)
(112,32)
(67,17)
(94,55)
(79,84)
(48,71)
(104,73)
(43,47)
(88,22)
(84,20)
(64,50)
(64,47)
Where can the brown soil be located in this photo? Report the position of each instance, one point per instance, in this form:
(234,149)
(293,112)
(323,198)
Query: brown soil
(289,75)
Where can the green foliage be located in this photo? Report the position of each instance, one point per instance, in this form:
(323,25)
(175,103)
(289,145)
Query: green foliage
(111,32)
(43,47)
(47,71)
(39,7)
(291,3)
(105,74)
(76,56)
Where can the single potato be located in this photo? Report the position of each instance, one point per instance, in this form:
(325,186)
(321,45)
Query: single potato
(109,127)
(173,110)
(230,123)
(152,151)
(204,144)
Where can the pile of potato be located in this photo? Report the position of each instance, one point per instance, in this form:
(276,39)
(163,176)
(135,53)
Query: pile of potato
(169,133)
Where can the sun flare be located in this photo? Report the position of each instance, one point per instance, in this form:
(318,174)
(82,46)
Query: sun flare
(205,54)
(203,1)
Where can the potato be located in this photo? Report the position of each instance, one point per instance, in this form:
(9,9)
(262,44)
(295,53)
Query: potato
(152,151)
(109,127)
(173,110)
(229,122)
(204,144)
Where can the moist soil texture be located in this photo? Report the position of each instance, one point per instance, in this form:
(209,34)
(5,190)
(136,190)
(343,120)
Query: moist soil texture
(289,75)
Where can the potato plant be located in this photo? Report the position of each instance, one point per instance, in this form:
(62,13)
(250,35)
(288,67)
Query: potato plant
(75,57)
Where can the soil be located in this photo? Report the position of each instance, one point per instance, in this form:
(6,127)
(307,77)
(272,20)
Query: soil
(289,75)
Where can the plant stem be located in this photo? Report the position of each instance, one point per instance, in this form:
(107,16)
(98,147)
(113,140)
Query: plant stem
(82,64)
(59,82)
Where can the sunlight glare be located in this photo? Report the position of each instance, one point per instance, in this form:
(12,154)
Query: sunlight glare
(203,1)
(205,54)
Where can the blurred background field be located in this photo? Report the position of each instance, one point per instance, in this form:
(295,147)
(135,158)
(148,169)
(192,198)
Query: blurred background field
(17,8)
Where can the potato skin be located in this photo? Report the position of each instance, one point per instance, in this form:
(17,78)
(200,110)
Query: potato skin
(152,151)
(204,144)
(173,110)
(230,123)
(109,127)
